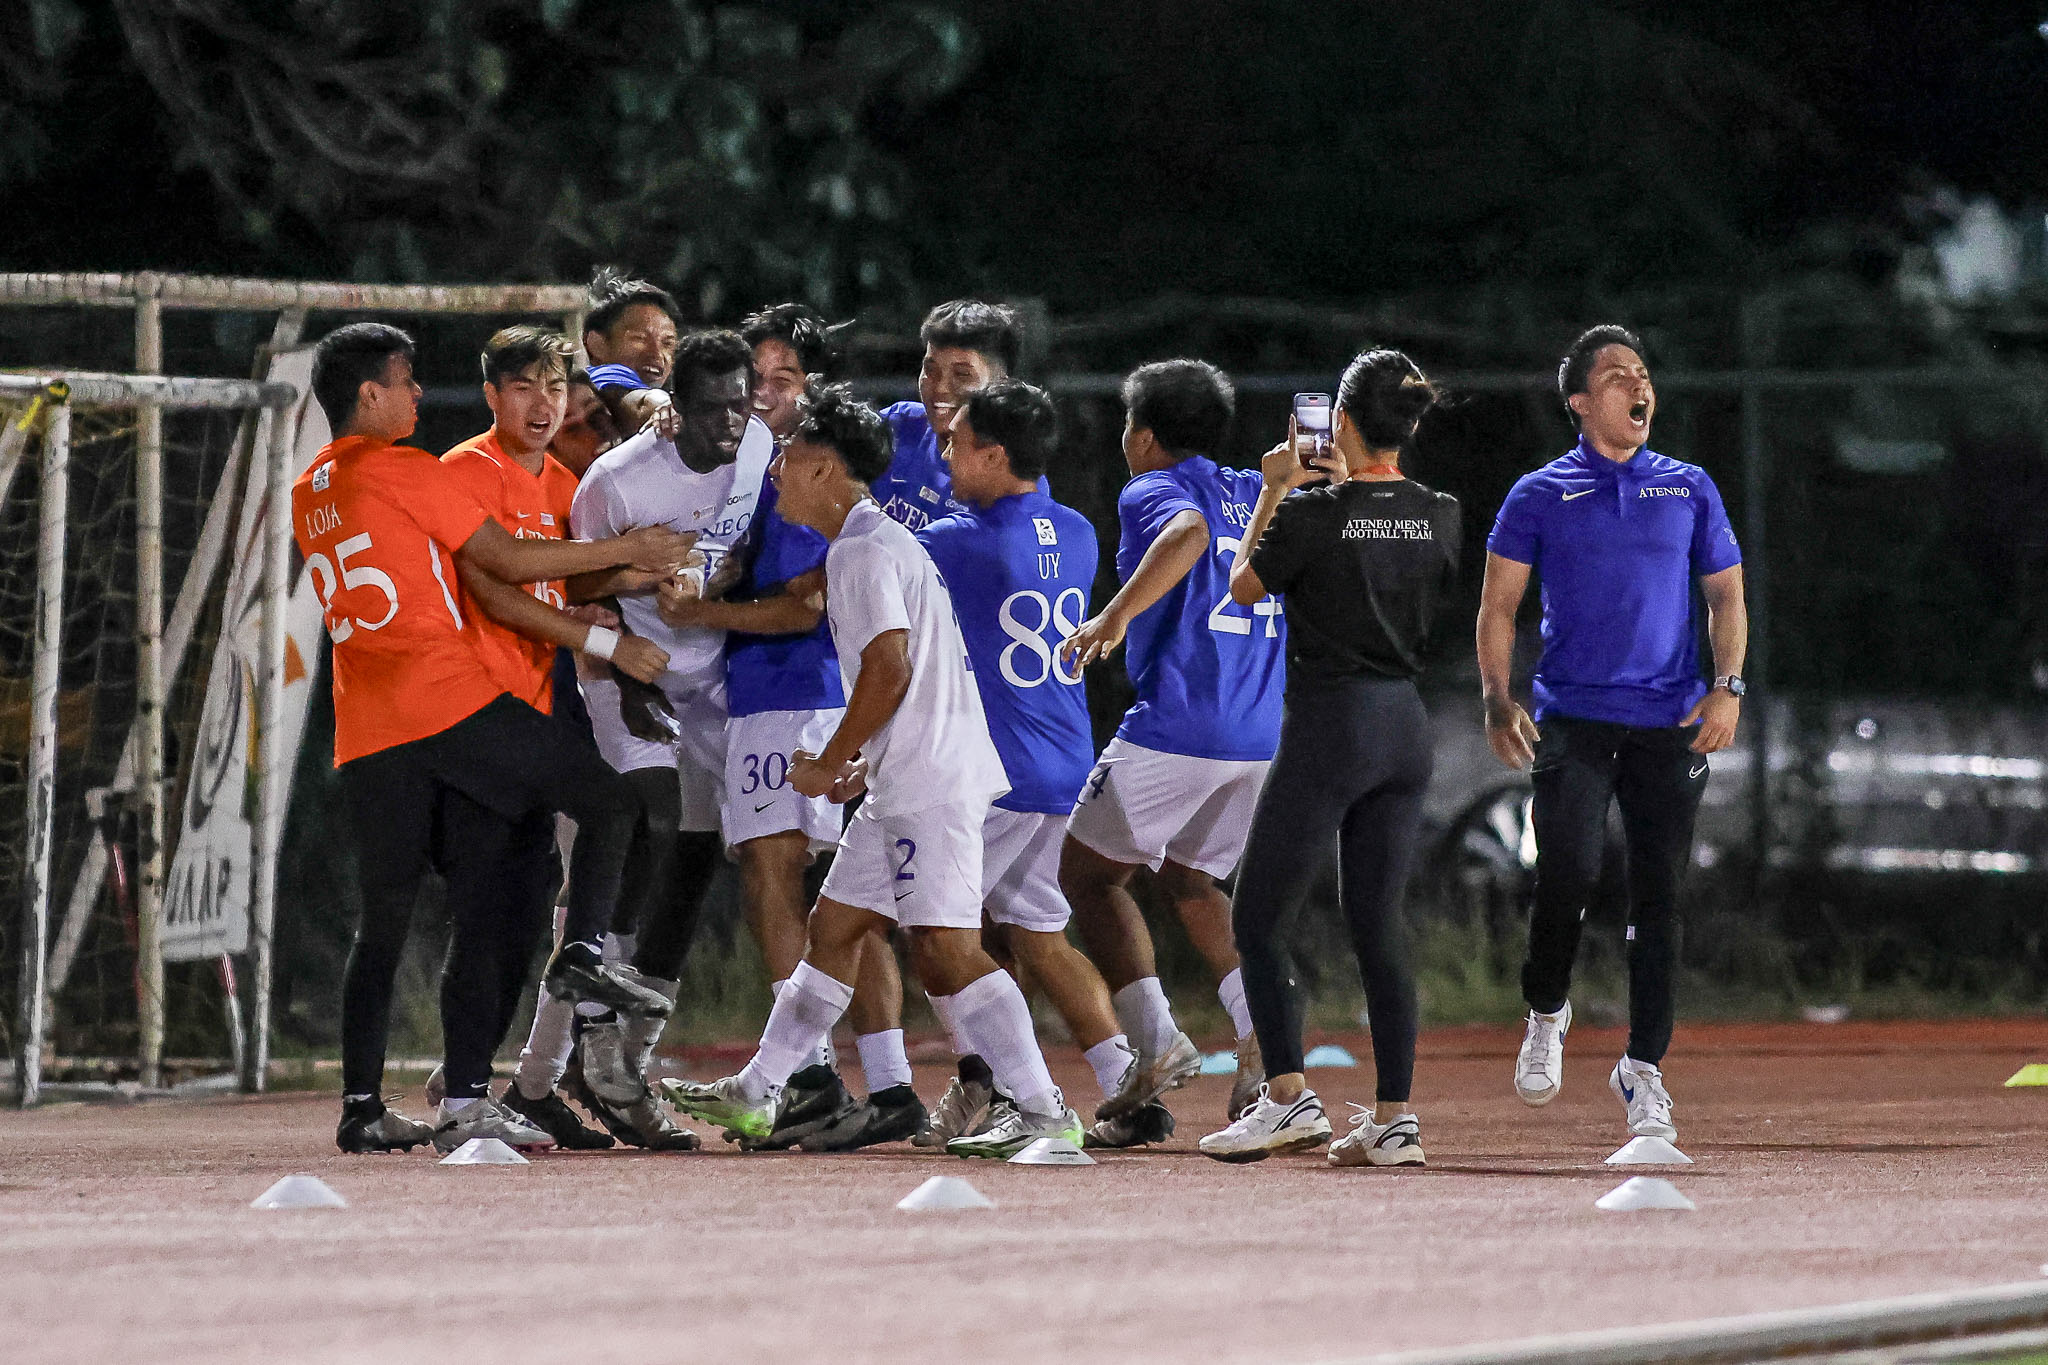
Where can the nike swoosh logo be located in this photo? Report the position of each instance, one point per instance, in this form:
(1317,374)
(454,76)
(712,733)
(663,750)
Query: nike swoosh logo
(763,806)
(1628,1093)
(1697,771)
(901,894)
(1580,494)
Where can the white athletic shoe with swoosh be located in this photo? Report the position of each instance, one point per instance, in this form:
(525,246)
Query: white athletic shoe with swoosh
(1396,1143)
(1270,1126)
(1539,1066)
(1640,1088)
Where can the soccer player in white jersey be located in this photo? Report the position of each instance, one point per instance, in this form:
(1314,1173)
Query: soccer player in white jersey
(914,736)
(785,693)
(1019,567)
(668,740)
(1175,789)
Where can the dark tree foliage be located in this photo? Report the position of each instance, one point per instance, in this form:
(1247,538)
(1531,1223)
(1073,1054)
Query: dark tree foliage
(717,146)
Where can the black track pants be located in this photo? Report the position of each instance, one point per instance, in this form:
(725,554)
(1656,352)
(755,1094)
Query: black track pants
(509,759)
(1657,780)
(501,877)
(1353,764)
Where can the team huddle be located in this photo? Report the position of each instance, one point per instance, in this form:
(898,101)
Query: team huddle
(697,602)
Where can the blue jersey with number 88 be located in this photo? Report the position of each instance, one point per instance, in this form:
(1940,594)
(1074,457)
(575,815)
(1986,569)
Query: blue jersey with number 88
(1019,572)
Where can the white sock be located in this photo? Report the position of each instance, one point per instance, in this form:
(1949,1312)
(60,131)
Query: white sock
(882,1059)
(1109,1057)
(942,1005)
(1145,1015)
(1231,993)
(642,1032)
(995,1022)
(619,947)
(455,1106)
(808,1007)
(548,1044)
(822,1055)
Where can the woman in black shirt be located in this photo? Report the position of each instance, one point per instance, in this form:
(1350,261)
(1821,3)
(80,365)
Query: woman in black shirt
(1363,563)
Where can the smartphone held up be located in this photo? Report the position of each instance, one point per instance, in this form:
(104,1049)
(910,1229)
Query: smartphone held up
(1311,428)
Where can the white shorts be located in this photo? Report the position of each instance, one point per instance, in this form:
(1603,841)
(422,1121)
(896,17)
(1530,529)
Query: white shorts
(758,798)
(1020,870)
(698,756)
(1143,806)
(921,869)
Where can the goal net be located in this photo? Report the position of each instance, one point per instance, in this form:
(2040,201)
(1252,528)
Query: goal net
(119,494)
(151,619)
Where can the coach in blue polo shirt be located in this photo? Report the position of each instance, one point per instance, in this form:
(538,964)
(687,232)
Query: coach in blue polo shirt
(1619,534)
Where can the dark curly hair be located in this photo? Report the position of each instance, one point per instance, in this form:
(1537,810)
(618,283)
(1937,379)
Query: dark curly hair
(829,415)
(714,351)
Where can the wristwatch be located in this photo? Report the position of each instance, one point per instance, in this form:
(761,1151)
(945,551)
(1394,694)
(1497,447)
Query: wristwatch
(1732,684)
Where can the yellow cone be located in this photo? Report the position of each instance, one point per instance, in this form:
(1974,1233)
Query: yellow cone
(2034,1073)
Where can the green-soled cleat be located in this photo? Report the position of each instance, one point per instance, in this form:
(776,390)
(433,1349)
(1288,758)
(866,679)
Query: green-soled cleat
(1015,1130)
(721,1104)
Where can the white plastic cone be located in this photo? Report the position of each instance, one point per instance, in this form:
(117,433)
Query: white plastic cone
(945,1192)
(1053,1151)
(1649,1151)
(1643,1192)
(483,1152)
(299,1192)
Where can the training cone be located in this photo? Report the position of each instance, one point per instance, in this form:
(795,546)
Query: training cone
(483,1152)
(1220,1064)
(1329,1054)
(1052,1152)
(944,1192)
(2033,1073)
(299,1192)
(1649,1151)
(1642,1192)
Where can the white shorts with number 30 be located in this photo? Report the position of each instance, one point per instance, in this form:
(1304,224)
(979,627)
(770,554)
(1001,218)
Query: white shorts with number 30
(758,798)
(921,869)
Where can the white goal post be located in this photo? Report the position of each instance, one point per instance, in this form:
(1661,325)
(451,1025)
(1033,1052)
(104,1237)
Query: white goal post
(59,391)
(142,764)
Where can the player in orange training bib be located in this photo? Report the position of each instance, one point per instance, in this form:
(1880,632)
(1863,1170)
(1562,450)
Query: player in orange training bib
(388,534)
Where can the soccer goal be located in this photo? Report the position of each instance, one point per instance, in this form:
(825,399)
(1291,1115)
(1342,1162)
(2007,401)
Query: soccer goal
(158,648)
(93,425)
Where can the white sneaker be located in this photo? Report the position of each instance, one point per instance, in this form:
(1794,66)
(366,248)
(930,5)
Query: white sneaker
(486,1118)
(1640,1088)
(1379,1144)
(1269,1126)
(1539,1066)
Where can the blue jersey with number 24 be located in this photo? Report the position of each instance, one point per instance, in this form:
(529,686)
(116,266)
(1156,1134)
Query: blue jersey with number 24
(1208,673)
(1019,572)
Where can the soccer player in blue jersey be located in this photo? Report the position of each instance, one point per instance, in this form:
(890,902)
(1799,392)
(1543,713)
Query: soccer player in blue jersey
(967,344)
(785,694)
(1620,535)
(1175,789)
(1019,567)
(630,334)
(915,738)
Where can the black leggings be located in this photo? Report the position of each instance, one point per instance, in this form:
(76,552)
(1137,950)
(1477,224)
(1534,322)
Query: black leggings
(1657,780)
(1354,761)
(509,759)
